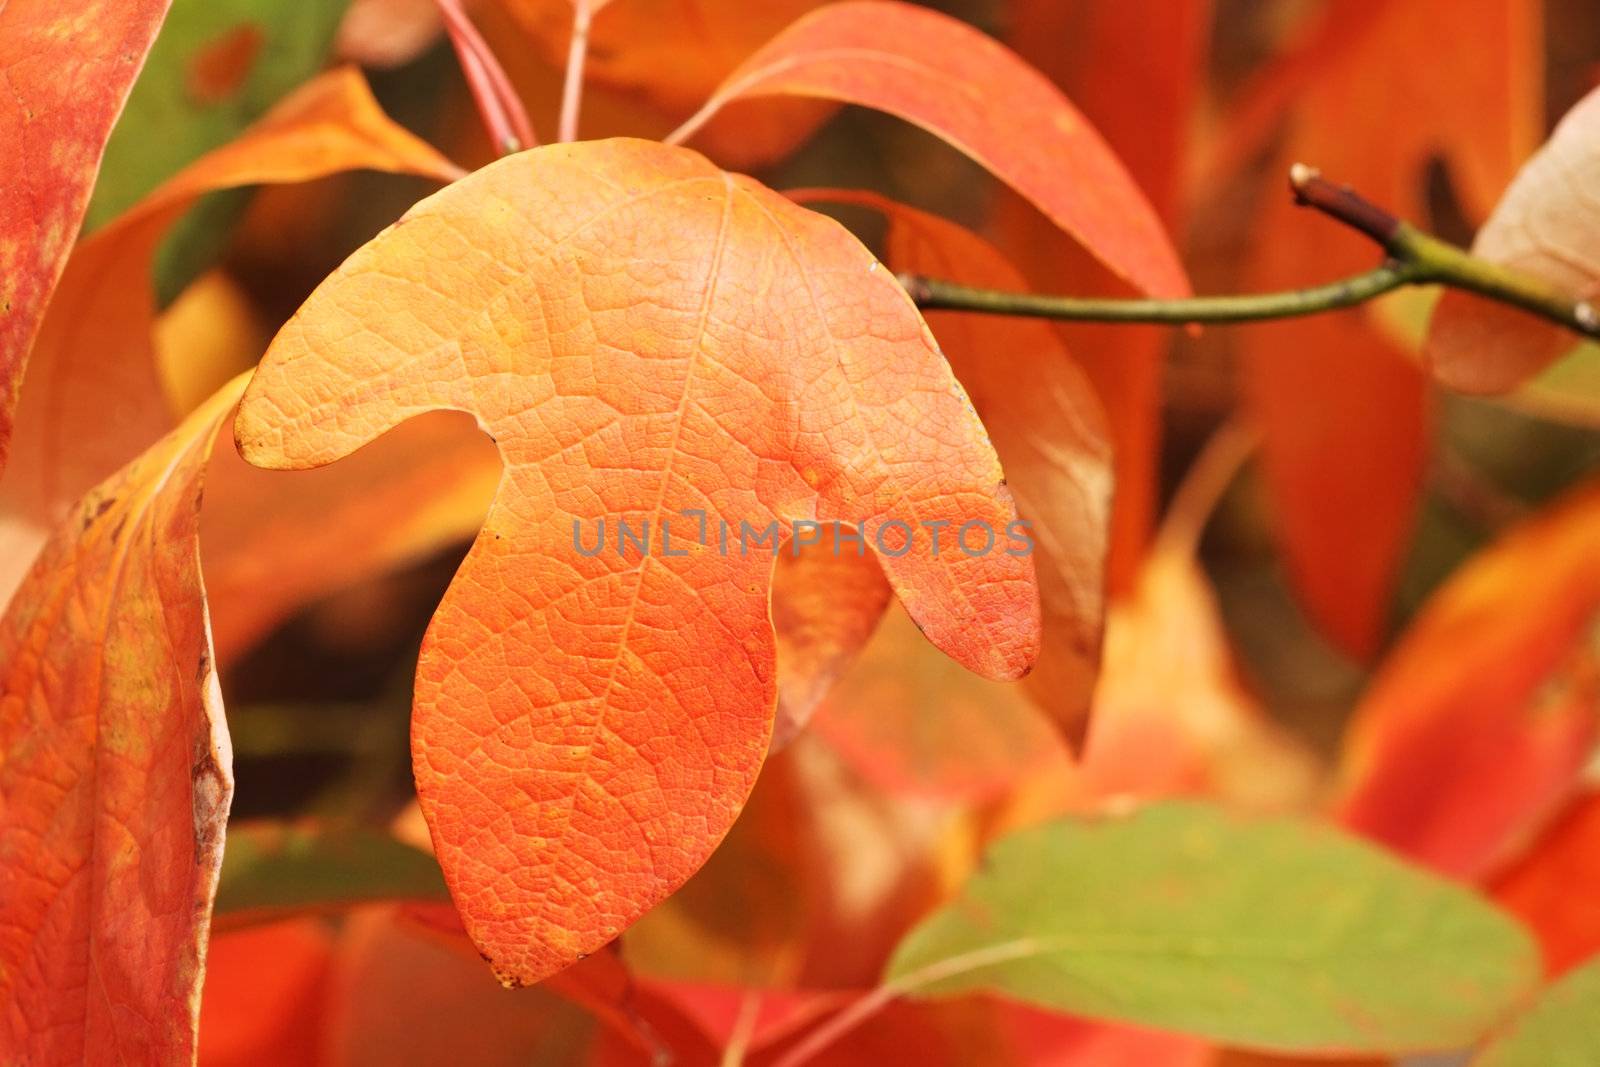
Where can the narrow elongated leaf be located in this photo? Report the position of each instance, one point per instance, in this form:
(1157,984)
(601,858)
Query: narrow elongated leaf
(116,773)
(590,715)
(969,89)
(1558,1031)
(1345,423)
(1135,68)
(1545,225)
(1453,766)
(67,66)
(1275,934)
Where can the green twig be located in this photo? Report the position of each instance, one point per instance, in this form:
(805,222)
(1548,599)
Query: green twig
(1414,258)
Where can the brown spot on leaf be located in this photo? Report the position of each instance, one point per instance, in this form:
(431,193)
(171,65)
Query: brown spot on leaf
(219,69)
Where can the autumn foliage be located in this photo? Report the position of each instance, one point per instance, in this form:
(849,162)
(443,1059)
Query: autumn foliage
(565,532)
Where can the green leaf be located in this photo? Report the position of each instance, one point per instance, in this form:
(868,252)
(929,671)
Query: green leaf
(216,67)
(270,870)
(1561,1030)
(1276,934)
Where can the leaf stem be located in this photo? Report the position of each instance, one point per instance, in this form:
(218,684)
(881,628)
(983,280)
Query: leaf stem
(498,104)
(577,55)
(869,1004)
(1414,258)
(934,294)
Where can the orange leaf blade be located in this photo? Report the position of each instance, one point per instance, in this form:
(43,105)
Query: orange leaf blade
(646,338)
(116,779)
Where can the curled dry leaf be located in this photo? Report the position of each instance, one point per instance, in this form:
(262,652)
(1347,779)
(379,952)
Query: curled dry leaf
(1454,766)
(67,66)
(117,773)
(957,83)
(590,715)
(1546,226)
(94,397)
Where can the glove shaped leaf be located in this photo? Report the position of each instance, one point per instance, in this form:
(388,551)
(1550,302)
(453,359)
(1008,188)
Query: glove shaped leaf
(643,335)
(1274,934)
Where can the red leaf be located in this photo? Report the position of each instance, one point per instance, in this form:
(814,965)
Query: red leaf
(1134,67)
(1343,412)
(264,995)
(1475,729)
(1554,886)
(67,66)
(969,89)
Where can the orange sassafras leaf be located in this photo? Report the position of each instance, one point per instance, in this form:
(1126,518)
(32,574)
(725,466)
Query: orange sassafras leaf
(1546,225)
(93,397)
(955,82)
(1479,722)
(1051,435)
(67,66)
(115,771)
(646,337)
